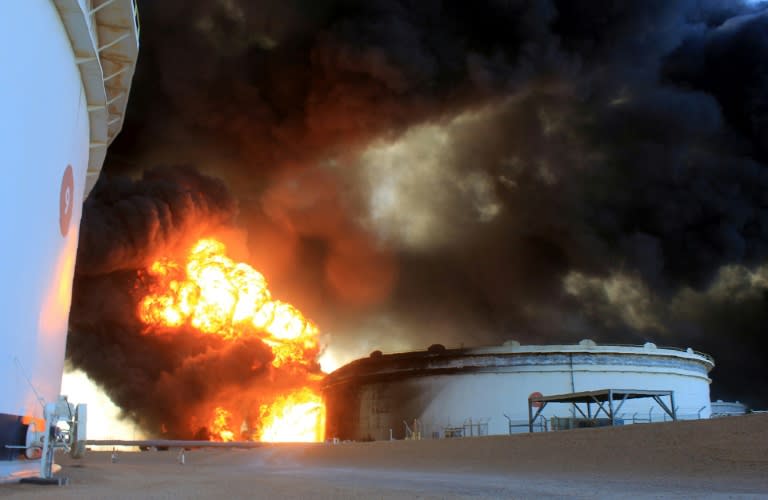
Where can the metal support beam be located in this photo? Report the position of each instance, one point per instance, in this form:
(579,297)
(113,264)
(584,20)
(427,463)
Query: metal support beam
(623,400)
(117,97)
(117,73)
(672,405)
(530,416)
(612,415)
(605,401)
(115,41)
(600,408)
(579,410)
(664,407)
(100,6)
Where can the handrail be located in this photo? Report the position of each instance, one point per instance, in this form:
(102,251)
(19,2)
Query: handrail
(671,348)
(635,346)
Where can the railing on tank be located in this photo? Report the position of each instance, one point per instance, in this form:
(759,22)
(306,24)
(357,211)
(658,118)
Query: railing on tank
(686,350)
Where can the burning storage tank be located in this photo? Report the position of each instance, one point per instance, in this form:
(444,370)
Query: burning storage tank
(67,70)
(477,391)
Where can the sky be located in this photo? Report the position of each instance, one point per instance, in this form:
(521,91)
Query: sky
(418,172)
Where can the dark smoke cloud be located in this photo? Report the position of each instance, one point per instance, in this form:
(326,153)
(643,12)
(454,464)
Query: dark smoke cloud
(168,382)
(730,64)
(412,172)
(128,222)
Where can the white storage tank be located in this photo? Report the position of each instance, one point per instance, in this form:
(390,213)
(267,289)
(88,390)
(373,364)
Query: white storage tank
(722,408)
(468,392)
(67,67)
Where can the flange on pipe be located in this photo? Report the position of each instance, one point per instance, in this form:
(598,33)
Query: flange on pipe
(64,429)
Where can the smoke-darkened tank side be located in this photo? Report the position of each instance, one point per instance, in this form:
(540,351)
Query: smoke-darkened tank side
(448,392)
(67,71)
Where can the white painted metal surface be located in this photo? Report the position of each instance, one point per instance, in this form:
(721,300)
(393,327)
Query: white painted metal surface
(60,110)
(722,408)
(482,390)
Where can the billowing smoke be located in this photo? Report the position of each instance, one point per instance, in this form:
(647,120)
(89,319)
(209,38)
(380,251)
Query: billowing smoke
(412,172)
(127,223)
(168,380)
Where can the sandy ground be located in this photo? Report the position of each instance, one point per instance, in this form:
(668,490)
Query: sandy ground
(724,458)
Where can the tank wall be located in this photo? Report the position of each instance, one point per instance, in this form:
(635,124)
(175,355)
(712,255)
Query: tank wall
(722,408)
(453,400)
(44,137)
(488,397)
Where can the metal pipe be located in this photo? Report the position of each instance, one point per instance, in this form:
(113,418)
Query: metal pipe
(114,42)
(101,6)
(509,422)
(173,443)
(530,416)
(610,408)
(672,405)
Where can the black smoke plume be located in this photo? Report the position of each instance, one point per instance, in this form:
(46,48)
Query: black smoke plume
(412,172)
(169,384)
(127,223)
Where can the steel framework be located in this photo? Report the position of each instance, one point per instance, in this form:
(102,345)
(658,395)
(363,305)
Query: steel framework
(600,398)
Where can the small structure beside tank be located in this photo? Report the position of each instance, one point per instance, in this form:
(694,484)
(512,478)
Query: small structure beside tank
(722,408)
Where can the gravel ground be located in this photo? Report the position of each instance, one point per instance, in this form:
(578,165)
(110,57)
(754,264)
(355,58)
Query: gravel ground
(723,458)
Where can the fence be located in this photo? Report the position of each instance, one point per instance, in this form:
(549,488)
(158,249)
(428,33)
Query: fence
(553,423)
(417,429)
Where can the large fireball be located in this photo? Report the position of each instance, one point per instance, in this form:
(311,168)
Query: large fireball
(215,295)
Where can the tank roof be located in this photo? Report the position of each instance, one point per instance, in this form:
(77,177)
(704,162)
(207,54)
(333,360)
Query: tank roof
(438,358)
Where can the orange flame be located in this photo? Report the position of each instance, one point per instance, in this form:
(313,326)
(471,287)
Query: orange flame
(217,296)
(296,417)
(220,426)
